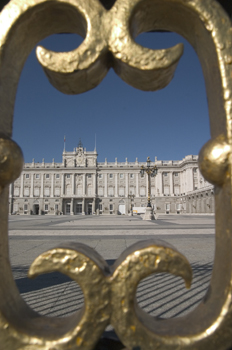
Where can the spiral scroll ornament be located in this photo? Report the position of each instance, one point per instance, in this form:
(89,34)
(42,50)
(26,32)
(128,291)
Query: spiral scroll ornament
(109,293)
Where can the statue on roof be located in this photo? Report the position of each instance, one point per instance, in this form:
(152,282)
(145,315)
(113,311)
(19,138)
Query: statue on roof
(80,145)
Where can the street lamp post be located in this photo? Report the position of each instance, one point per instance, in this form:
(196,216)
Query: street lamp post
(131,197)
(151,172)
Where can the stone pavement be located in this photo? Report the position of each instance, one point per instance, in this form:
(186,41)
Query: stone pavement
(161,295)
(110,225)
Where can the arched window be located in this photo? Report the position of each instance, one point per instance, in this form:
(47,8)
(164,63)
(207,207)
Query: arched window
(132,190)
(100,191)
(166,190)
(121,192)
(68,190)
(36,191)
(57,191)
(142,191)
(79,190)
(46,192)
(111,191)
(26,192)
(89,190)
(176,189)
(16,191)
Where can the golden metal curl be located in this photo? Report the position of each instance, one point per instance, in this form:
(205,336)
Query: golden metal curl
(135,328)
(109,297)
(11,161)
(214,160)
(108,32)
(109,43)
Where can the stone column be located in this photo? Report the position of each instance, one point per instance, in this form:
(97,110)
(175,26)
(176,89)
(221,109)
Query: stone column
(72,212)
(181,181)
(94,206)
(190,179)
(185,181)
(52,186)
(62,184)
(156,185)
(198,178)
(137,185)
(73,185)
(160,183)
(42,186)
(21,187)
(84,185)
(116,185)
(32,185)
(83,206)
(94,185)
(126,189)
(105,194)
(171,183)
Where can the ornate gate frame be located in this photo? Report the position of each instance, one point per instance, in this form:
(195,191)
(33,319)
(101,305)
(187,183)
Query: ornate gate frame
(110,293)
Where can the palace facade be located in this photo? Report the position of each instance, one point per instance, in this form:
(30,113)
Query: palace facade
(82,185)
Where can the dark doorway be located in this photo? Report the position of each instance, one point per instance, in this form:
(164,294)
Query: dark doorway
(89,208)
(36,209)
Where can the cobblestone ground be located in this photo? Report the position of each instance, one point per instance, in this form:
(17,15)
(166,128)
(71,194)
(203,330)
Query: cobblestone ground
(161,295)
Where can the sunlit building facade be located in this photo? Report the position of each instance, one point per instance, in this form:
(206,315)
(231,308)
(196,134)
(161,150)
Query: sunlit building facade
(81,185)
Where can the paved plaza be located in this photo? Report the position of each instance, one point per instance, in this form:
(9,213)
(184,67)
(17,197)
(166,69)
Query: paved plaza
(160,295)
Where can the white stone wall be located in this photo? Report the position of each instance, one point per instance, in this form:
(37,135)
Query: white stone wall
(81,185)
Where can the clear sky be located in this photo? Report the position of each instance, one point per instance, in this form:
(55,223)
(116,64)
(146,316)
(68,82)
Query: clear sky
(169,123)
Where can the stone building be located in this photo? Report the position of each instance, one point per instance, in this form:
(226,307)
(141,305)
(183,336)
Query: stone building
(82,185)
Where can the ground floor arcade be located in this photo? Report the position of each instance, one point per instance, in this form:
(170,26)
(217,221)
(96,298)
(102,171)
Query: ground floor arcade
(194,203)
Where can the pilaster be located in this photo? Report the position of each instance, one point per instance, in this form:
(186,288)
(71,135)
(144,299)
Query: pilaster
(32,185)
(42,185)
(84,184)
(181,180)
(189,179)
(73,184)
(72,212)
(105,194)
(137,185)
(160,183)
(126,179)
(21,186)
(52,185)
(83,206)
(116,185)
(198,178)
(171,183)
(94,185)
(62,184)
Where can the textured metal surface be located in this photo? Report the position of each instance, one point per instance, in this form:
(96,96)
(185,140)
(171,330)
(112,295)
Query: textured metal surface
(109,295)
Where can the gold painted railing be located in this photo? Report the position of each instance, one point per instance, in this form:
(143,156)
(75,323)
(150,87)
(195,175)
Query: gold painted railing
(110,293)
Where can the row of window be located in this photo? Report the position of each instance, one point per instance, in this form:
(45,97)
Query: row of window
(47,176)
(121,176)
(25,207)
(166,174)
(111,191)
(79,207)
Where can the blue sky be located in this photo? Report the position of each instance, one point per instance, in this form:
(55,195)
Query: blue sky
(169,123)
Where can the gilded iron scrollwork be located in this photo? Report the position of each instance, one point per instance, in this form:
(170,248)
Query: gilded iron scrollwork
(109,295)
